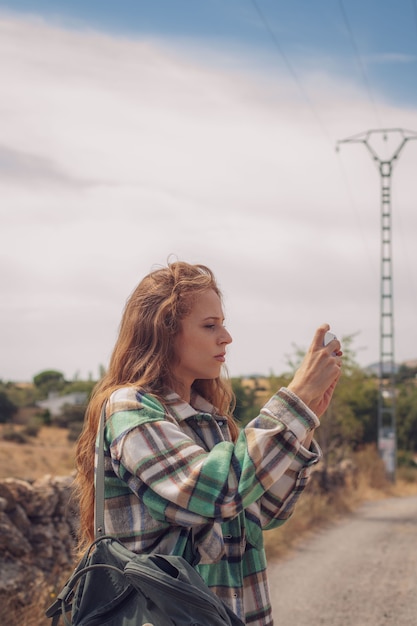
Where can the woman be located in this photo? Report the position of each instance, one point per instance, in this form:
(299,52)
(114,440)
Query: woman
(180,476)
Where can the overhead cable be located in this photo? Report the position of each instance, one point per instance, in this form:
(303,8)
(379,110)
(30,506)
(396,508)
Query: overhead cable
(349,195)
(414,3)
(360,63)
(290,68)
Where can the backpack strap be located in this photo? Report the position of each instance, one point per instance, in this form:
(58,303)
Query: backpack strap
(193,557)
(99,496)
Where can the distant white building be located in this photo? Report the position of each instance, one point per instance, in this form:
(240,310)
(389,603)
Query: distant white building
(55,403)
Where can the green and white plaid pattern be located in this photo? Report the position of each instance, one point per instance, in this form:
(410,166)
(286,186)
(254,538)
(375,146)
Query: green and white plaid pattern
(169,471)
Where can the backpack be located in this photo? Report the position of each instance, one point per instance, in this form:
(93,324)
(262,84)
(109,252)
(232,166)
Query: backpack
(112,586)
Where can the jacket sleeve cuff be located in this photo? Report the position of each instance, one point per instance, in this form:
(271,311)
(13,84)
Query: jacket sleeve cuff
(289,409)
(305,458)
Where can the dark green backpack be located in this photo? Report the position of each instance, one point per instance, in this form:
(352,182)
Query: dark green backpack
(113,586)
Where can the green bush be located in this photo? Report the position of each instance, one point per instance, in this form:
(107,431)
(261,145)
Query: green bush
(405,458)
(7,408)
(74,430)
(32,428)
(407,473)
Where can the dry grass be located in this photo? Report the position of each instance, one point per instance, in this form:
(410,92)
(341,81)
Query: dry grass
(14,613)
(316,510)
(48,453)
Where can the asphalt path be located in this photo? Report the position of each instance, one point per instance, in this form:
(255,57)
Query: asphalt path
(362,571)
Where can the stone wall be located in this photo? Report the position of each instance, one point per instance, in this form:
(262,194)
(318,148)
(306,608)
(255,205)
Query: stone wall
(38,524)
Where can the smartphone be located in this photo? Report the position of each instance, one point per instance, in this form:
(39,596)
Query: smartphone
(328,337)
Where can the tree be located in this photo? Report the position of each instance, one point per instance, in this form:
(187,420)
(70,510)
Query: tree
(245,408)
(49,380)
(351,418)
(18,394)
(406,417)
(7,408)
(75,386)
(405,373)
(72,417)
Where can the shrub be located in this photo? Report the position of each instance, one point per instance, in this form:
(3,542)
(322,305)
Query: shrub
(7,408)
(74,430)
(32,428)
(405,458)
(16,436)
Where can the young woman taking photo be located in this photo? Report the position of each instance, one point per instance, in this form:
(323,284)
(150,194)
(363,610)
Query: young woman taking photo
(177,466)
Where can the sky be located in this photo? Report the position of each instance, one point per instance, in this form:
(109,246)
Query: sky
(138,132)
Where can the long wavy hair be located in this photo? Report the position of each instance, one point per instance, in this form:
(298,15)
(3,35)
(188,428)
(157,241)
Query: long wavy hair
(142,357)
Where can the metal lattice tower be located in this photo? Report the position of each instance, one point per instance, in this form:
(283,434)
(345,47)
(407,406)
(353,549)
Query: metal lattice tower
(387,394)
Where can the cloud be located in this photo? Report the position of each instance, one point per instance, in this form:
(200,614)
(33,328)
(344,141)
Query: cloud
(116,153)
(391,57)
(19,166)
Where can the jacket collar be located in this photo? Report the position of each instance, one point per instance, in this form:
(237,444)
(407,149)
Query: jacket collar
(183,410)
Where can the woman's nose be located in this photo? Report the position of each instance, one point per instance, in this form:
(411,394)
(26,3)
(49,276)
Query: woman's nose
(226,337)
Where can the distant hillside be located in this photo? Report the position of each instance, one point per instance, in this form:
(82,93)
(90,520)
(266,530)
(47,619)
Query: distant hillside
(373,369)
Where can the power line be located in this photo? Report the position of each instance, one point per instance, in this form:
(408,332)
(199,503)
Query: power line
(356,212)
(294,75)
(408,264)
(290,68)
(414,3)
(359,60)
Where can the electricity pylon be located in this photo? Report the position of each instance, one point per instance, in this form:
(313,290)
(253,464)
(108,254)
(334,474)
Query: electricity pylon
(387,439)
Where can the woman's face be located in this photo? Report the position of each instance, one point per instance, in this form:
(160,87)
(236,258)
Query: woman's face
(200,346)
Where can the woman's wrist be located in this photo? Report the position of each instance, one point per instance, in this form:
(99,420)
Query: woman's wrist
(301,393)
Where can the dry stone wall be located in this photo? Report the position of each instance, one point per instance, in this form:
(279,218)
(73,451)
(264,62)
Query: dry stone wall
(38,528)
(38,525)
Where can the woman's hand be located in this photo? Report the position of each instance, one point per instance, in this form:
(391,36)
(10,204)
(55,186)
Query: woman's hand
(316,379)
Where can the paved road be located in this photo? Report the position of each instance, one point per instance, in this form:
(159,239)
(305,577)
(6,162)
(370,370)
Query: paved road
(360,572)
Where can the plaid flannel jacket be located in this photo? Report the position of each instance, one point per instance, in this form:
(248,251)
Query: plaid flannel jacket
(172,467)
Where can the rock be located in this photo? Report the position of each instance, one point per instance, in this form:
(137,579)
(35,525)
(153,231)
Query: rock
(12,542)
(38,523)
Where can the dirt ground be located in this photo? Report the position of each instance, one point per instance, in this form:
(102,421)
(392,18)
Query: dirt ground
(362,571)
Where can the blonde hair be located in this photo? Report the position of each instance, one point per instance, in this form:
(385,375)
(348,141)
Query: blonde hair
(142,357)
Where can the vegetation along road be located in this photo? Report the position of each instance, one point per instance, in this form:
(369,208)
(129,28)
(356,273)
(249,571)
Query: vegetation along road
(360,572)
